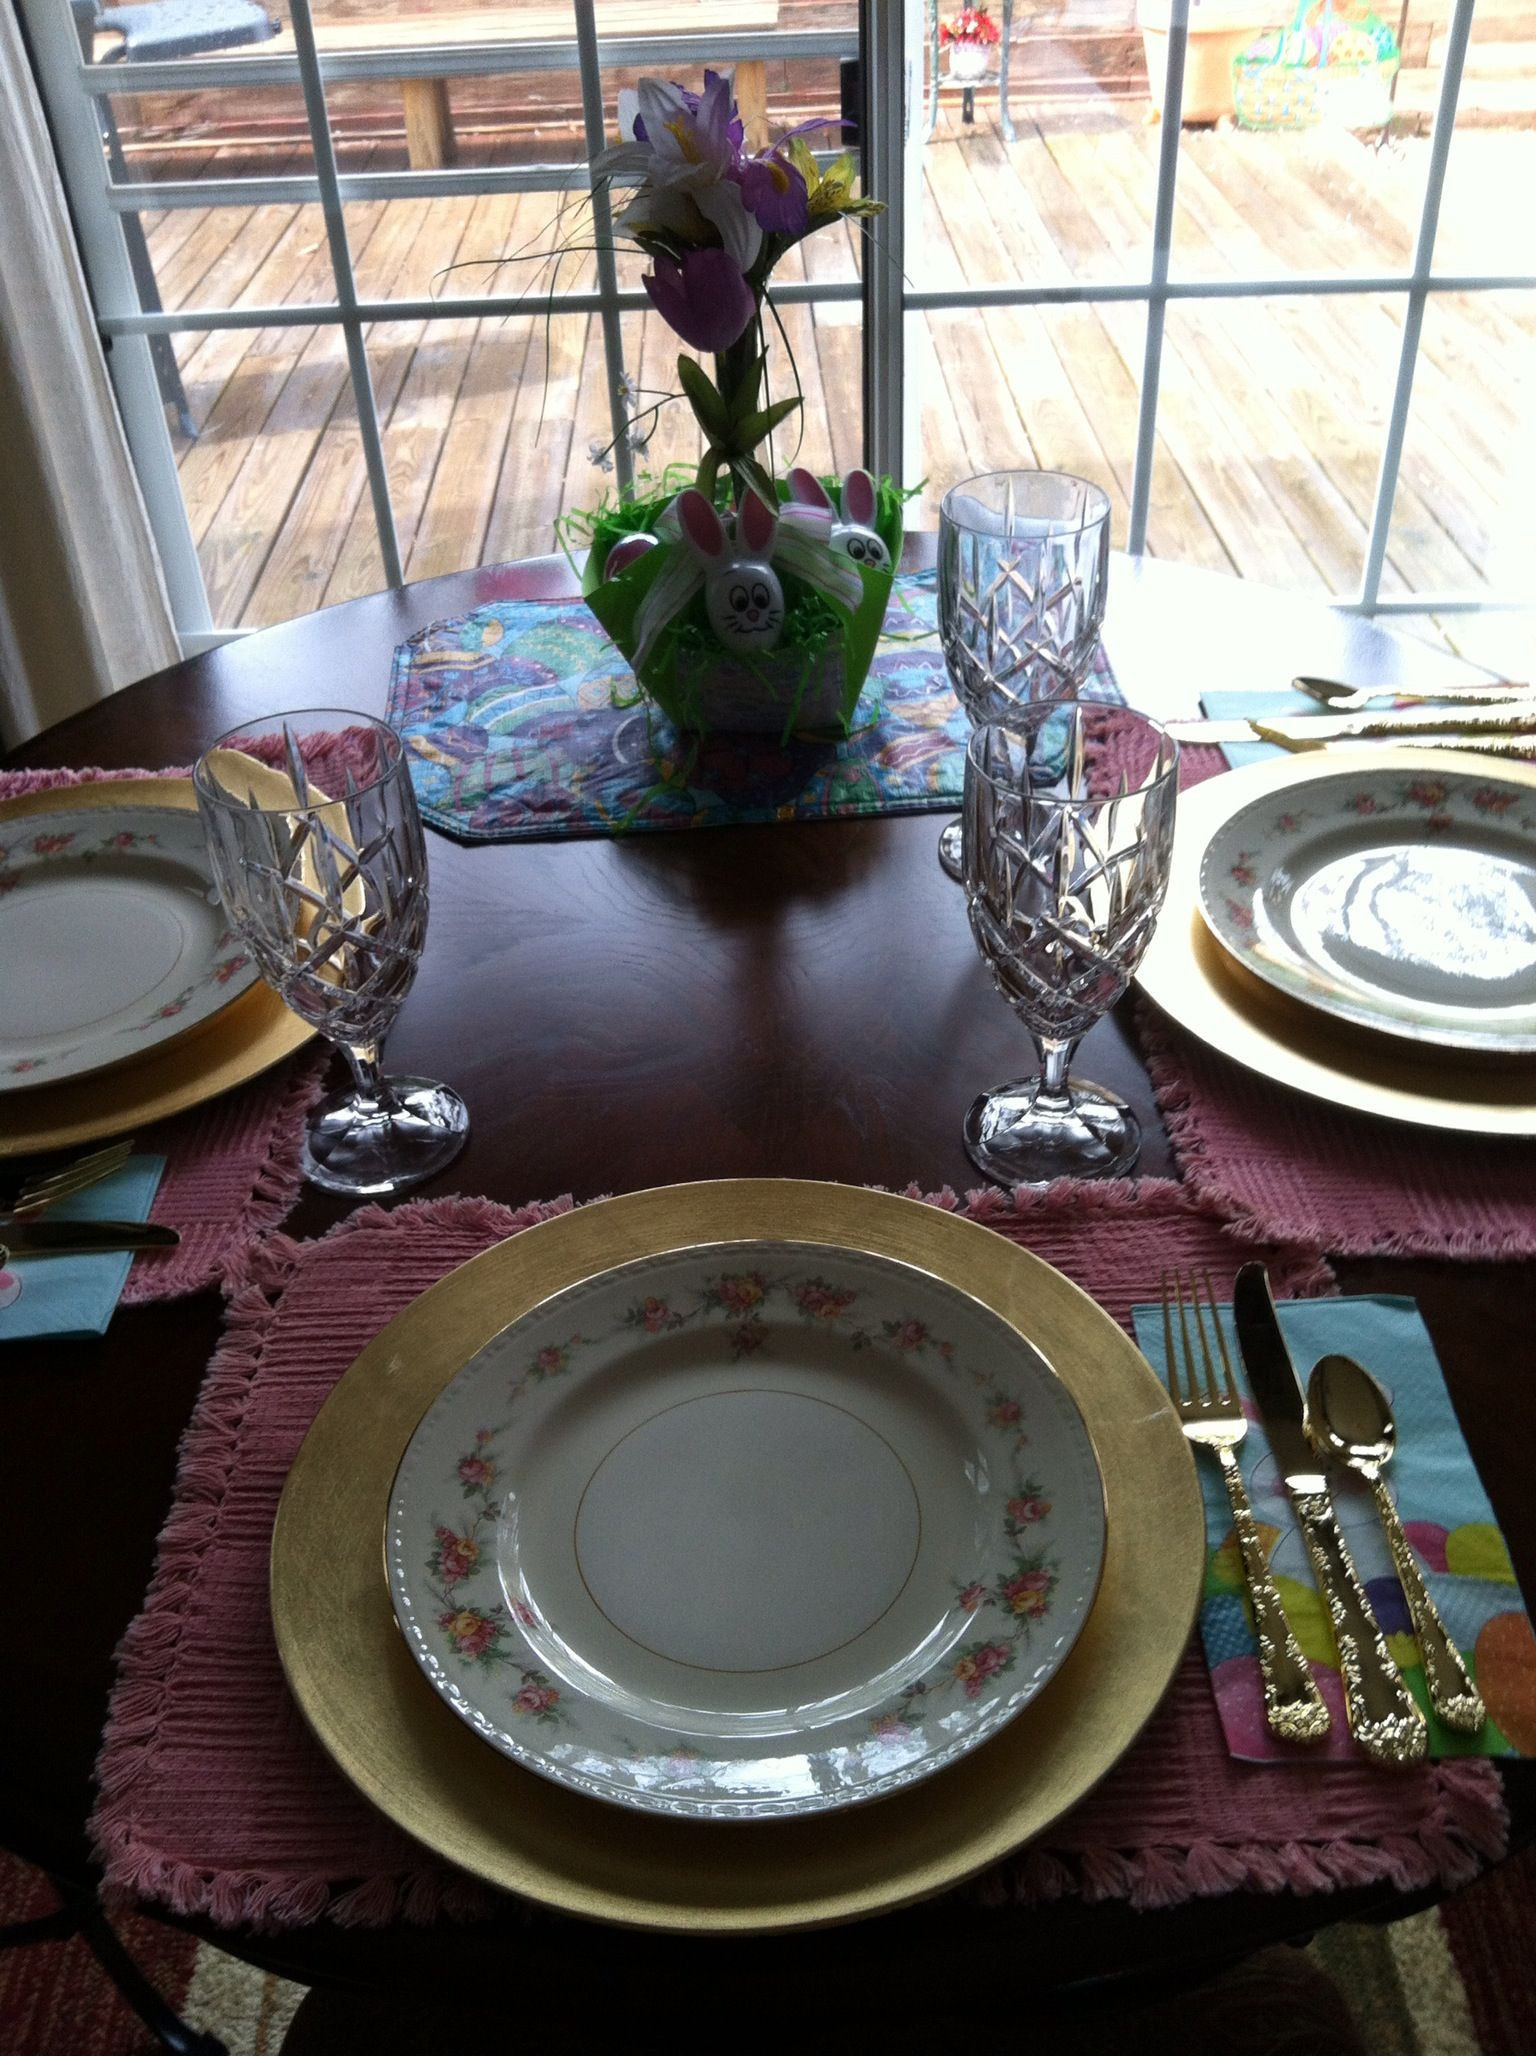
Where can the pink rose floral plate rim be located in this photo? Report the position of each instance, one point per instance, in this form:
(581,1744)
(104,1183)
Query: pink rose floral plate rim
(1271,837)
(92,839)
(962,1649)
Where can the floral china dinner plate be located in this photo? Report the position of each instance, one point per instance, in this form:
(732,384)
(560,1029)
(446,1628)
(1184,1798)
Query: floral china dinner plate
(113,937)
(1403,901)
(747,1532)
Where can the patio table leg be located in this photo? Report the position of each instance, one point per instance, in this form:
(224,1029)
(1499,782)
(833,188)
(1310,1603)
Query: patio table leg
(429,138)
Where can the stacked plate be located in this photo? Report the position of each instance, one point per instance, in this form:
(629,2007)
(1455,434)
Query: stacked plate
(1361,925)
(738,1507)
(128,997)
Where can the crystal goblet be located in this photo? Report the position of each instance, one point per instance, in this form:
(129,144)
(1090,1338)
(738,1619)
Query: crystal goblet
(1069,812)
(319,857)
(1023,575)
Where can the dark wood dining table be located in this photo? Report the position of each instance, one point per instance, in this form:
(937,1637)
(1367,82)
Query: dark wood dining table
(798,999)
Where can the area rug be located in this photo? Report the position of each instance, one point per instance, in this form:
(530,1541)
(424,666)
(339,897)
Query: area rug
(1450,1982)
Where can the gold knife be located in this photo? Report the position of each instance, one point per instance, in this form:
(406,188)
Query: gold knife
(1521,744)
(1311,731)
(84,1238)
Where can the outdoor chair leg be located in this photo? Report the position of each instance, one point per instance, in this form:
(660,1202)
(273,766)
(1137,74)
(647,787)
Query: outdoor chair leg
(1004,118)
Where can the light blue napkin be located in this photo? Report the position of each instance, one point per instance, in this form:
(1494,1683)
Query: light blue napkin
(1255,706)
(1443,1506)
(77,1295)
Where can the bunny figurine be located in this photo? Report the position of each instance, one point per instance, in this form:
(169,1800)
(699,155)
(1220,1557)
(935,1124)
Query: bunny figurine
(627,550)
(853,530)
(742,594)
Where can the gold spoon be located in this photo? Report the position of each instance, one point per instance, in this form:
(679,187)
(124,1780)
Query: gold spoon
(1346,699)
(1349,1418)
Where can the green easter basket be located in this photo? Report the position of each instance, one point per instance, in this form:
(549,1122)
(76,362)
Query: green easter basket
(810,681)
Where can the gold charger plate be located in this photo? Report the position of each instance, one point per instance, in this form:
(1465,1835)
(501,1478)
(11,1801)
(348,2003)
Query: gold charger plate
(241,1040)
(1195,981)
(365,1698)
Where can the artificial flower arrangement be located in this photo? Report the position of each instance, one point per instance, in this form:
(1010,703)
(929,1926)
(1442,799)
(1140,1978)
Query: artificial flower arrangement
(742,601)
(971,25)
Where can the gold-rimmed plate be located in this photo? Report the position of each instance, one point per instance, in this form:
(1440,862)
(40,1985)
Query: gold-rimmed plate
(1198,984)
(240,1041)
(360,1689)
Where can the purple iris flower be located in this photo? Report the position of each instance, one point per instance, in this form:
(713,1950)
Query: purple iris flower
(705,298)
(773,193)
(717,89)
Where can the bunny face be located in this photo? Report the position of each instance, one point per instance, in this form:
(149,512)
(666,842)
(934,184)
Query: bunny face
(853,534)
(742,594)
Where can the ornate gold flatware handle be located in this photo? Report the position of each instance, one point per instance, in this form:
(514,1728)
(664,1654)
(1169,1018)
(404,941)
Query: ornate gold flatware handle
(1383,1715)
(1293,1706)
(1451,1691)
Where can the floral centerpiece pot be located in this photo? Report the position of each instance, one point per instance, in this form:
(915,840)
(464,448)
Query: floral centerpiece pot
(970,38)
(745,601)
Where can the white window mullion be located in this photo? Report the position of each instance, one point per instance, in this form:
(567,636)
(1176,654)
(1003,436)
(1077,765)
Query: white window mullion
(602,236)
(346,290)
(1418,294)
(1157,301)
(888,103)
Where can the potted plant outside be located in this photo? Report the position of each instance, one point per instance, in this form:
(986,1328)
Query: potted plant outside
(970,38)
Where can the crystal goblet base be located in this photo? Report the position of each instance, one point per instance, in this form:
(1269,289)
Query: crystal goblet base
(1020,1134)
(952,849)
(373,1143)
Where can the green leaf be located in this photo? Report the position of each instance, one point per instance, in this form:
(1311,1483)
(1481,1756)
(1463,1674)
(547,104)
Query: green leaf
(705,401)
(748,384)
(749,433)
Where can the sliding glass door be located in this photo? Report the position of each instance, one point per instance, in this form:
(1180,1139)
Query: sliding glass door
(365,324)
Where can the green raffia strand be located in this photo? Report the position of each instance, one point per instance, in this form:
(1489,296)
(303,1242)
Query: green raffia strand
(813,627)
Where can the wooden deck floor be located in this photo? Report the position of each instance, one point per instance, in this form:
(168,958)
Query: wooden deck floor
(1271,420)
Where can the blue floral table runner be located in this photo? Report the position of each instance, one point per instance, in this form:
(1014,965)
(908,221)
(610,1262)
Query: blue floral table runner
(522,720)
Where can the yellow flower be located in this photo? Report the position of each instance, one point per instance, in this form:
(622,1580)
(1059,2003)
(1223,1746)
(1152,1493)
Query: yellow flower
(831,191)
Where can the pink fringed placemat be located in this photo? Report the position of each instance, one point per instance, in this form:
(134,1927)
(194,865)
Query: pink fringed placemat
(233,1169)
(1284,1166)
(215,1799)
(232,1166)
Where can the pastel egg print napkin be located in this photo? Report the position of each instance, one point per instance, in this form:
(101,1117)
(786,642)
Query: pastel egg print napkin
(77,1295)
(1442,1505)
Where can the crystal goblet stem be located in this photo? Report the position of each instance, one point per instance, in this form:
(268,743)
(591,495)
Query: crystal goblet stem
(318,852)
(1069,828)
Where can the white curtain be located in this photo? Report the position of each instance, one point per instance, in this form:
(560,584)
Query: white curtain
(82,601)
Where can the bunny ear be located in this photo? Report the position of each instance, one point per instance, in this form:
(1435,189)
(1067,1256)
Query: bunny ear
(807,490)
(700,525)
(858,498)
(756,523)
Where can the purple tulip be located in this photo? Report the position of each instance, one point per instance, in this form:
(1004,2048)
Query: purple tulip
(774,194)
(705,298)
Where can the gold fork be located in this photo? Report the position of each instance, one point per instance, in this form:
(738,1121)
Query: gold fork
(46,1190)
(1212,1418)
